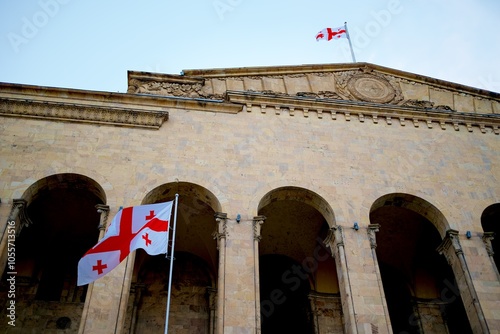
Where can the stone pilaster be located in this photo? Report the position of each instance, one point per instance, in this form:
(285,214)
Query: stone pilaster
(220,234)
(452,250)
(335,240)
(257,226)
(372,230)
(239,279)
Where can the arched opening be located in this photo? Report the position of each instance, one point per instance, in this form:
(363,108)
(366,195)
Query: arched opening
(299,289)
(61,224)
(419,285)
(490,221)
(192,305)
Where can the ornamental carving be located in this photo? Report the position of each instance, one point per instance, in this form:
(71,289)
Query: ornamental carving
(19,211)
(320,95)
(368,87)
(171,88)
(450,242)
(257,227)
(487,238)
(372,230)
(220,232)
(418,104)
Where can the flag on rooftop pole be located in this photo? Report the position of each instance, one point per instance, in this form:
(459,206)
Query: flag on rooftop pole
(336,33)
(144,226)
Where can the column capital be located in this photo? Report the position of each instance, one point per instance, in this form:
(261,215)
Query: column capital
(372,229)
(257,227)
(335,237)
(450,240)
(221,229)
(19,210)
(104,211)
(487,237)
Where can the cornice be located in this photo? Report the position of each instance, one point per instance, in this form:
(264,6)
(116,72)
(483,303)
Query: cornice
(83,106)
(149,76)
(59,111)
(363,111)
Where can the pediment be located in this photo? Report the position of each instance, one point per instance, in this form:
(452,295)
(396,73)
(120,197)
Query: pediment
(356,82)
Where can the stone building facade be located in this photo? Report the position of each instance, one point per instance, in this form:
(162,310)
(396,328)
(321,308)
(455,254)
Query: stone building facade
(340,198)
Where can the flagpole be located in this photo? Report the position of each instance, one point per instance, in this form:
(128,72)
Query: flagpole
(350,44)
(171,263)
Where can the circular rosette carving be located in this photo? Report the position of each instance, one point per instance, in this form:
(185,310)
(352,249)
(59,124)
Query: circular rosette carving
(371,88)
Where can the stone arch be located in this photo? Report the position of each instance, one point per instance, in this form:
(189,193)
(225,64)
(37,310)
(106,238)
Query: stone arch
(415,277)
(217,195)
(194,272)
(40,179)
(294,193)
(57,222)
(417,205)
(63,181)
(297,221)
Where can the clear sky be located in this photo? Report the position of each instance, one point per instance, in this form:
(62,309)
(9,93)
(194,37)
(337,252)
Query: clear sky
(91,44)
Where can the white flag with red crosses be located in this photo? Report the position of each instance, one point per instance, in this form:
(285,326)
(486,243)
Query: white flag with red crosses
(331,33)
(144,226)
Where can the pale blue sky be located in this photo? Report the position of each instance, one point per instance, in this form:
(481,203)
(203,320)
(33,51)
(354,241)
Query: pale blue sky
(91,44)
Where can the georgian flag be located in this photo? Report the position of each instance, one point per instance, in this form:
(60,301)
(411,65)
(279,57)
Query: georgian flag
(331,33)
(144,226)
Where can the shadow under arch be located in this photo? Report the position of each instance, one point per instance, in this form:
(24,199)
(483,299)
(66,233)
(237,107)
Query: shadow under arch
(415,204)
(296,270)
(415,277)
(57,223)
(64,181)
(291,193)
(490,221)
(195,267)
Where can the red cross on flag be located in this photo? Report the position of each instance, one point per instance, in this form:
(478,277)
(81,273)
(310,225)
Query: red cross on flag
(331,33)
(144,226)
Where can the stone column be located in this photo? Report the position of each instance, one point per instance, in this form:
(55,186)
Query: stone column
(372,229)
(221,234)
(452,251)
(257,225)
(335,240)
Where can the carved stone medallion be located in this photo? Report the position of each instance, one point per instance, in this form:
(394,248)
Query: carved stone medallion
(370,88)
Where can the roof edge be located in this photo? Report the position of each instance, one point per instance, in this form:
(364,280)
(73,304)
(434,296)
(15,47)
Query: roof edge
(312,68)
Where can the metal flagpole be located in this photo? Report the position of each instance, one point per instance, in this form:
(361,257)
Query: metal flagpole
(171,262)
(350,44)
